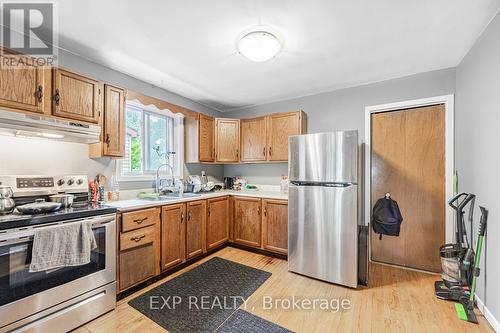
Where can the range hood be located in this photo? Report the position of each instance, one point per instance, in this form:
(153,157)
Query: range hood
(24,125)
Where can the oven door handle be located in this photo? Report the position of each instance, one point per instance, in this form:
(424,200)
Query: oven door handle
(27,234)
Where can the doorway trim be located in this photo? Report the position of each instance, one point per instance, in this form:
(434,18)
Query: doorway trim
(448,101)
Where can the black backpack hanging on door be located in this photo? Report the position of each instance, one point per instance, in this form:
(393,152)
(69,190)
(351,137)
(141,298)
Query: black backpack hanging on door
(387,218)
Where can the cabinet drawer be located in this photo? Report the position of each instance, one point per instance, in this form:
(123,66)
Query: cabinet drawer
(137,238)
(140,218)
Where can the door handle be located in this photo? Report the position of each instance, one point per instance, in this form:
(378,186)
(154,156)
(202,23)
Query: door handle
(57,97)
(39,94)
(258,211)
(189,215)
(108,140)
(264,151)
(270,151)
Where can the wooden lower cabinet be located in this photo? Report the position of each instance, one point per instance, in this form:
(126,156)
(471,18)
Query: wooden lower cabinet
(247,221)
(150,243)
(195,228)
(139,248)
(275,225)
(217,230)
(173,231)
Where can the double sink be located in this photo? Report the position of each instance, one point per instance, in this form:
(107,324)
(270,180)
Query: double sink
(168,196)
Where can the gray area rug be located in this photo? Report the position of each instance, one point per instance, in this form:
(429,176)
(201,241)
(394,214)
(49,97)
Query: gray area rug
(201,299)
(245,322)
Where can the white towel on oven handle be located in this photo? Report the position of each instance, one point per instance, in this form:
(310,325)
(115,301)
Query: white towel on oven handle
(63,245)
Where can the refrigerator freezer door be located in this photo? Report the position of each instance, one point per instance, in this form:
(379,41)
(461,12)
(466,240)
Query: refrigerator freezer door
(323,233)
(324,157)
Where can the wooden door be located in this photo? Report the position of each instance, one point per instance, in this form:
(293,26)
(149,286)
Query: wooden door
(227,140)
(75,97)
(280,127)
(408,161)
(206,144)
(195,228)
(173,235)
(275,225)
(25,87)
(114,121)
(253,139)
(217,229)
(247,221)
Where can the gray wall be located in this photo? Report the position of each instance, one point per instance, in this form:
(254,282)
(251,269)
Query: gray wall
(61,157)
(340,110)
(477,146)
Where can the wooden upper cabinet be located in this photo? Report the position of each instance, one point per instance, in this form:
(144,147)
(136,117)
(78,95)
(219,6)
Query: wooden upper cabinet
(227,140)
(75,96)
(247,221)
(217,226)
(173,235)
(280,127)
(26,87)
(114,121)
(195,228)
(206,138)
(275,225)
(253,139)
(199,139)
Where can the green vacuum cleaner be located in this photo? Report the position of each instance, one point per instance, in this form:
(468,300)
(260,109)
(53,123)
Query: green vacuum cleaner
(459,261)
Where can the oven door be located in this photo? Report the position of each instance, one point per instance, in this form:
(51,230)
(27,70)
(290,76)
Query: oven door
(23,293)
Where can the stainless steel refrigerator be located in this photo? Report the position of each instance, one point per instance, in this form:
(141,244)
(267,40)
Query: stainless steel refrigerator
(323,206)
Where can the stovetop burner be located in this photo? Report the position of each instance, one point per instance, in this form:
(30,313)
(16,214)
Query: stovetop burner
(18,220)
(27,189)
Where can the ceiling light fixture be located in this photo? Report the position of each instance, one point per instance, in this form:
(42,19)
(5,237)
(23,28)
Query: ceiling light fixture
(259,46)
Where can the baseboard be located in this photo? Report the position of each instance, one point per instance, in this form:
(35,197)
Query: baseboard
(487,314)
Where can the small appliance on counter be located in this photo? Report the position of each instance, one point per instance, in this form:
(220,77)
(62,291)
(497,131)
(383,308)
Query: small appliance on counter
(7,203)
(228,183)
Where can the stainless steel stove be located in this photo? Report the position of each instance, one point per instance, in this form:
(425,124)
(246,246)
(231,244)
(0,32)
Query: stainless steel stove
(62,299)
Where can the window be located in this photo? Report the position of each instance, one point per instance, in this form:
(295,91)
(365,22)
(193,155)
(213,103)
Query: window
(150,134)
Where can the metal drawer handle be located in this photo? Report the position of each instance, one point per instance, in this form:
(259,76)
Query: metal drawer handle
(139,221)
(138,238)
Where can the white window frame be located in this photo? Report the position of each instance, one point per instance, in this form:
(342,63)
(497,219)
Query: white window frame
(176,139)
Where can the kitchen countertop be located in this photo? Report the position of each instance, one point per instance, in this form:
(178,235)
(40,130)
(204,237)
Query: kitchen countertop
(134,204)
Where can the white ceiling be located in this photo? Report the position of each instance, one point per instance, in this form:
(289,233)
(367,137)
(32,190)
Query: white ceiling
(189,46)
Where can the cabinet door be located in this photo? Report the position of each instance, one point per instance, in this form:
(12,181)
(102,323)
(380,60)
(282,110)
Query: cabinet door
(280,127)
(253,139)
(227,140)
(114,121)
(195,225)
(137,260)
(275,225)
(217,229)
(247,221)
(75,96)
(24,87)
(206,144)
(173,235)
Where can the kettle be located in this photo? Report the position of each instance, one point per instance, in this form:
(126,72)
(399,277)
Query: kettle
(7,204)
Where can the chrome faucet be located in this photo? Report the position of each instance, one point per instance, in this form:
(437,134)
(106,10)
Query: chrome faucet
(158,187)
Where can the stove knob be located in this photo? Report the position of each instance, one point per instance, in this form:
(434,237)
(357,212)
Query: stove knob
(70,182)
(60,182)
(79,181)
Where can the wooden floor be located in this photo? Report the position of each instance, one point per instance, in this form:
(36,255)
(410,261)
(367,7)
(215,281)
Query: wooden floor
(397,300)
